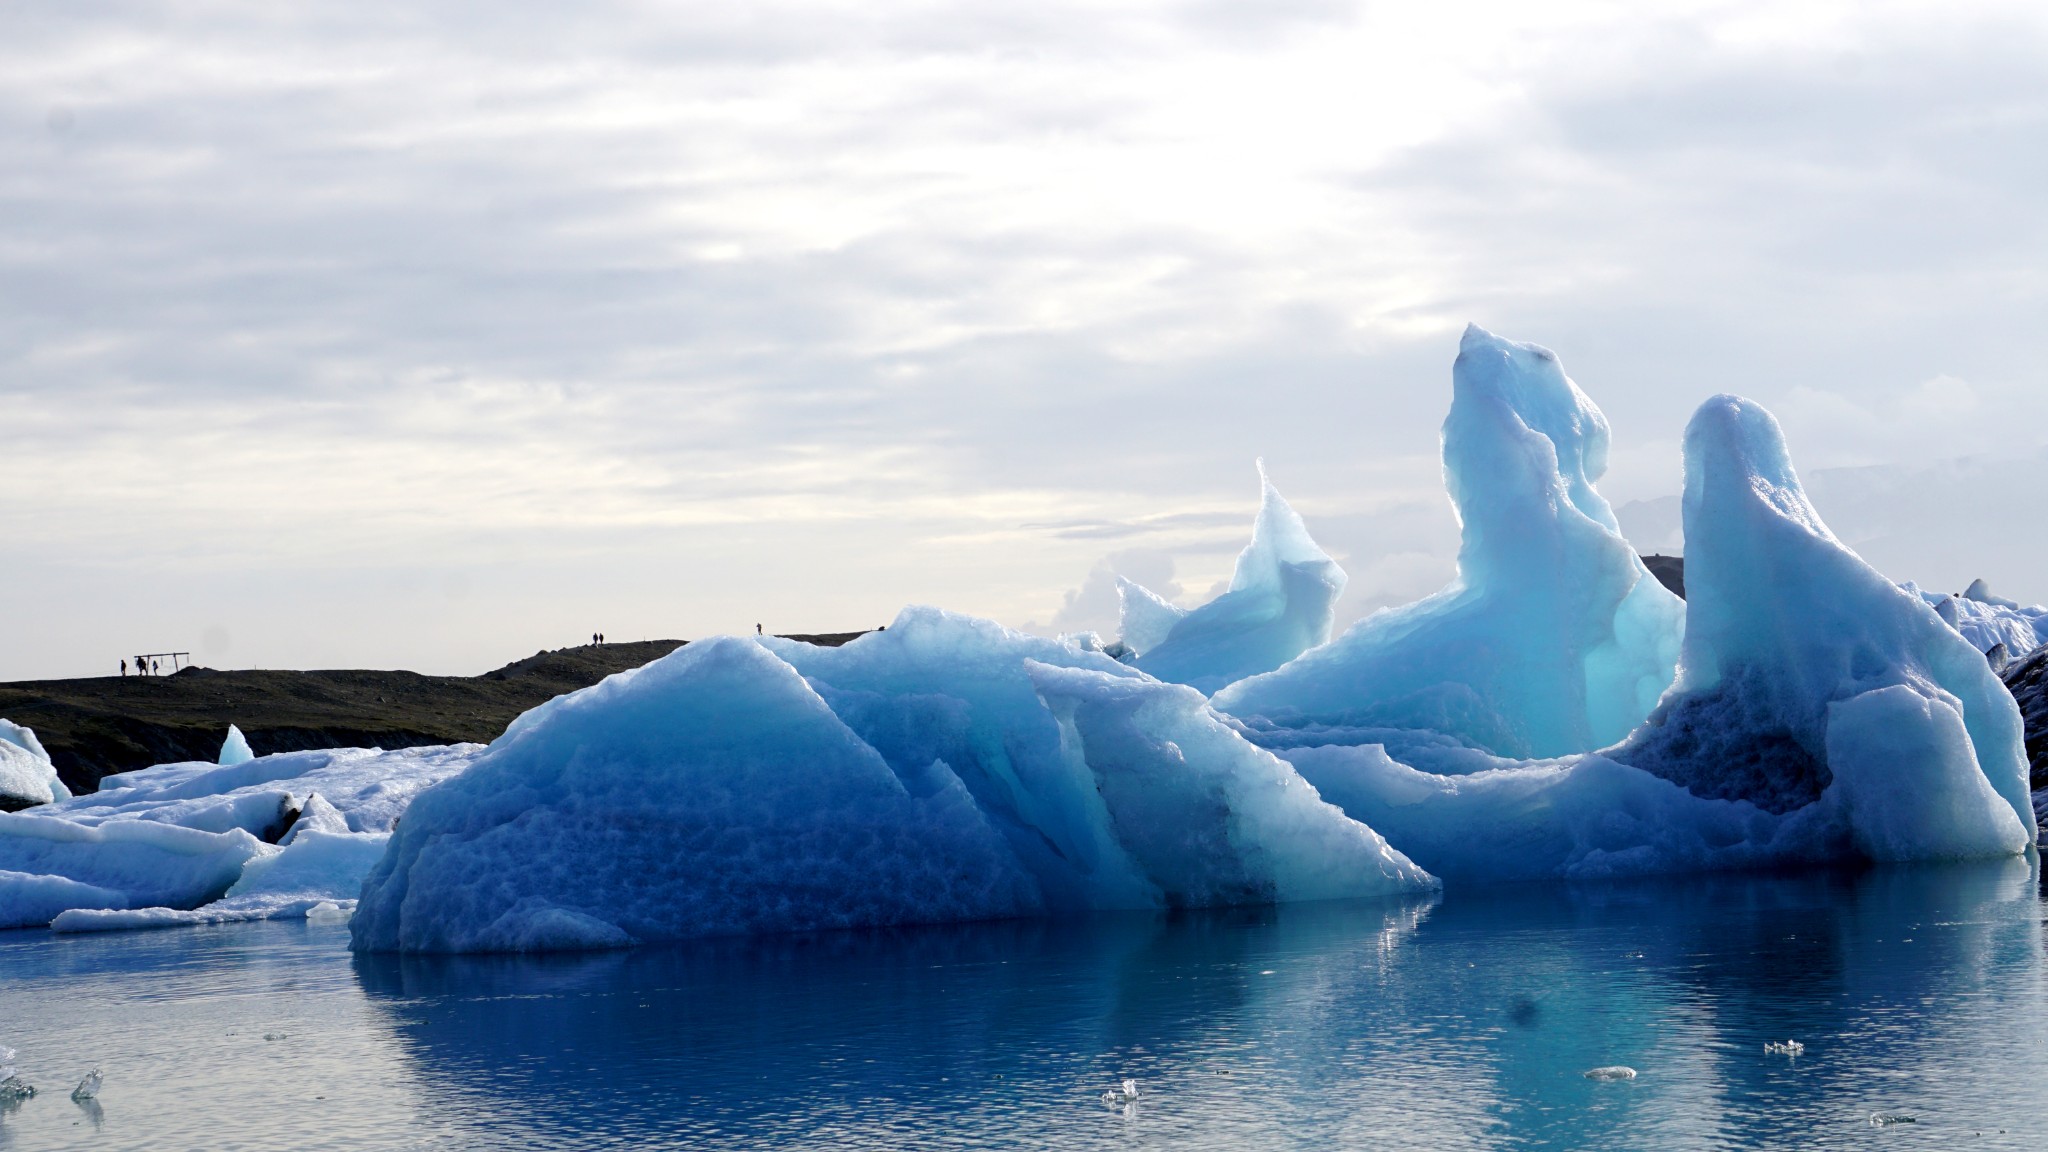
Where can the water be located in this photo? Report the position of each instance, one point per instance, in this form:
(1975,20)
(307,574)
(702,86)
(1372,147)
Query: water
(1469,1023)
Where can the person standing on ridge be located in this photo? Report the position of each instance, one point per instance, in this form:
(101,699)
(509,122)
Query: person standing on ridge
(124,669)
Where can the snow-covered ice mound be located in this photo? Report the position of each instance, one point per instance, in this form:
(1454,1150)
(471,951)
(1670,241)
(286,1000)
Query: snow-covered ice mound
(1553,639)
(179,837)
(943,769)
(1281,602)
(1821,713)
(1998,627)
(27,778)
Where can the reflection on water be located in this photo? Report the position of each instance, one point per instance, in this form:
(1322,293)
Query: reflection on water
(1466,1024)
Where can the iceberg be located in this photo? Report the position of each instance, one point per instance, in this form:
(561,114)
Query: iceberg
(235,749)
(945,768)
(160,843)
(1554,638)
(1281,602)
(1989,622)
(1821,713)
(27,778)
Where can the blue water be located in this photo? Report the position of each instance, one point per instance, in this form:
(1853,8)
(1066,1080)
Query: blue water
(1464,1023)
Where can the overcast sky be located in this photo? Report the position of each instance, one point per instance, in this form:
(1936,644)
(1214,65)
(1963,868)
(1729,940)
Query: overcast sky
(429,334)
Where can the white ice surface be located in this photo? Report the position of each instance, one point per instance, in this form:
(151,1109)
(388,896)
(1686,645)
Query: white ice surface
(1553,639)
(944,769)
(315,868)
(27,778)
(1281,602)
(1987,621)
(164,841)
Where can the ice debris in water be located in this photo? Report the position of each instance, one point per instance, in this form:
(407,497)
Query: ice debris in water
(1123,1093)
(89,1087)
(327,912)
(1784,1047)
(1887,1119)
(1611,1072)
(12,1086)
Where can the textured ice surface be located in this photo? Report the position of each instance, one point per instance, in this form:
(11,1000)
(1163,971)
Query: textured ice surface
(944,769)
(1553,639)
(158,843)
(1281,602)
(235,749)
(1821,714)
(27,778)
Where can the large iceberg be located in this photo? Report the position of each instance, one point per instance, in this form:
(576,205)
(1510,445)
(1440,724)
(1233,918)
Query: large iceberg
(27,778)
(1553,639)
(163,843)
(1821,713)
(1281,602)
(945,768)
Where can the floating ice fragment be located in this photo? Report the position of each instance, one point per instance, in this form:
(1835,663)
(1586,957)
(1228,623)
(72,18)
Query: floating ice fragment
(1131,1089)
(275,1036)
(12,1086)
(1611,1072)
(326,912)
(1784,1047)
(89,1087)
(235,749)
(1887,1119)
(1112,1097)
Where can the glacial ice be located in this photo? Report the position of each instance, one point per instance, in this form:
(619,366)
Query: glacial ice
(1535,719)
(27,778)
(1553,639)
(944,769)
(235,749)
(1821,714)
(154,845)
(1281,602)
(1988,621)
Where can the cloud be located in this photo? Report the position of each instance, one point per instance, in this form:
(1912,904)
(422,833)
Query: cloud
(855,304)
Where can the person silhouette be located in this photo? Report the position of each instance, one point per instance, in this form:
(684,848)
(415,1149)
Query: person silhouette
(757,629)
(124,668)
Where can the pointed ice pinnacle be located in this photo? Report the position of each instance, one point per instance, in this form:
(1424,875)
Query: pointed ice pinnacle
(235,749)
(1553,639)
(1282,601)
(1806,672)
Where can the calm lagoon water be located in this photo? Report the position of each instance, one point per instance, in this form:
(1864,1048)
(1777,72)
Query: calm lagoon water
(1463,1023)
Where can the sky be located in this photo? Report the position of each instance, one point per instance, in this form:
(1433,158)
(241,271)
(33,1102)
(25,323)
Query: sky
(428,335)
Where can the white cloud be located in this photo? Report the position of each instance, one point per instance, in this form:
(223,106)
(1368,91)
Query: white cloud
(693,314)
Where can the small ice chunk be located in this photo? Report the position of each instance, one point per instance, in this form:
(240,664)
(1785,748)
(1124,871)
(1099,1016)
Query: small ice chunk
(1131,1089)
(1611,1072)
(88,1088)
(235,749)
(12,1086)
(1112,1097)
(1784,1047)
(276,1036)
(327,912)
(1887,1119)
